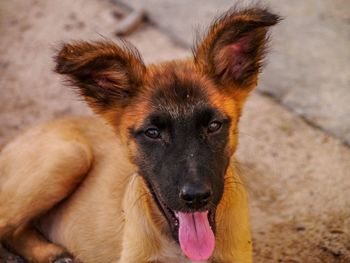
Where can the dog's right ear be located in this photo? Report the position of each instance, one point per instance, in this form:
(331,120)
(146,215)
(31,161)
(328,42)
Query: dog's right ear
(107,75)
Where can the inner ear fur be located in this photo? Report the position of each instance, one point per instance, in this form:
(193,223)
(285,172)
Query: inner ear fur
(232,51)
(105,73)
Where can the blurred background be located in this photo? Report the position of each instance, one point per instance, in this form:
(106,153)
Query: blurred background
(295,132)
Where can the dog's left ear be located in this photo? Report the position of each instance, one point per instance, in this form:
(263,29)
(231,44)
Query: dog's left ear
(232,51)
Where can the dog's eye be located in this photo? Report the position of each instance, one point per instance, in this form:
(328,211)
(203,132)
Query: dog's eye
(152,133)
(214,126)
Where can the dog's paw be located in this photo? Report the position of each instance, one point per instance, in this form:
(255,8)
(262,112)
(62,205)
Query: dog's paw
(65,258)
(8,257)
(13,259)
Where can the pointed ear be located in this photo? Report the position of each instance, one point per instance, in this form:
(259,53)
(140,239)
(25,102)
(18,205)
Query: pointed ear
(232,51)
(106,74)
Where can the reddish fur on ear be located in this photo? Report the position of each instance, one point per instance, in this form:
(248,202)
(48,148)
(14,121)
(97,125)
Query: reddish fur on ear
(105,73)
(233,50)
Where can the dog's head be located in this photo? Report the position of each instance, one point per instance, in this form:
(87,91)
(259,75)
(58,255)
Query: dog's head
(178,119)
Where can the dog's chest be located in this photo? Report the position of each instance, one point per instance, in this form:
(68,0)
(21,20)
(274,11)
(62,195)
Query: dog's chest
(171,253)
(181,260)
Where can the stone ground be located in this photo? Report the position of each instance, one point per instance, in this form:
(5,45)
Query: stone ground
(297,175)
(310,52)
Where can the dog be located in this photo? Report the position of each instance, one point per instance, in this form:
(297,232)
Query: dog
(152,178)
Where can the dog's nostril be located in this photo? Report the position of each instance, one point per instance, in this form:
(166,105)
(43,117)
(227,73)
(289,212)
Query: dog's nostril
(206,195)
(189,197)
(195,194)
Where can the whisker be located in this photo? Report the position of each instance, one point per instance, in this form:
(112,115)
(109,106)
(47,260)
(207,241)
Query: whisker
(139,199)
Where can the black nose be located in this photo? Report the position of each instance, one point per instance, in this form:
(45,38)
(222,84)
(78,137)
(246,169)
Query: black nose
(195,196)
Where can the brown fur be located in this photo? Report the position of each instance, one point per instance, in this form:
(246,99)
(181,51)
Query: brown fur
(74,182)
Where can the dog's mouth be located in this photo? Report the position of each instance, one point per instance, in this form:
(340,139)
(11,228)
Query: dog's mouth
(193,230)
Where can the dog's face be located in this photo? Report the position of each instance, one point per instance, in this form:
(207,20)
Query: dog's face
(178,119)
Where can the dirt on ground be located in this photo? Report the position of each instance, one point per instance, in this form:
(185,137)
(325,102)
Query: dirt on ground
(298,176)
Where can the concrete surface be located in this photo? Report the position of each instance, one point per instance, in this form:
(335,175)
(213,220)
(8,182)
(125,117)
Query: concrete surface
(297,176)
(310,52)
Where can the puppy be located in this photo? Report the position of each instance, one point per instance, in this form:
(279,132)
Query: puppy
(153,178)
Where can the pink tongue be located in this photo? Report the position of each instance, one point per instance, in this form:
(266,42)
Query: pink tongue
(196,237)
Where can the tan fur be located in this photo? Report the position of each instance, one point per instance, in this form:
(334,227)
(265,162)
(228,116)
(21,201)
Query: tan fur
(112,202)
